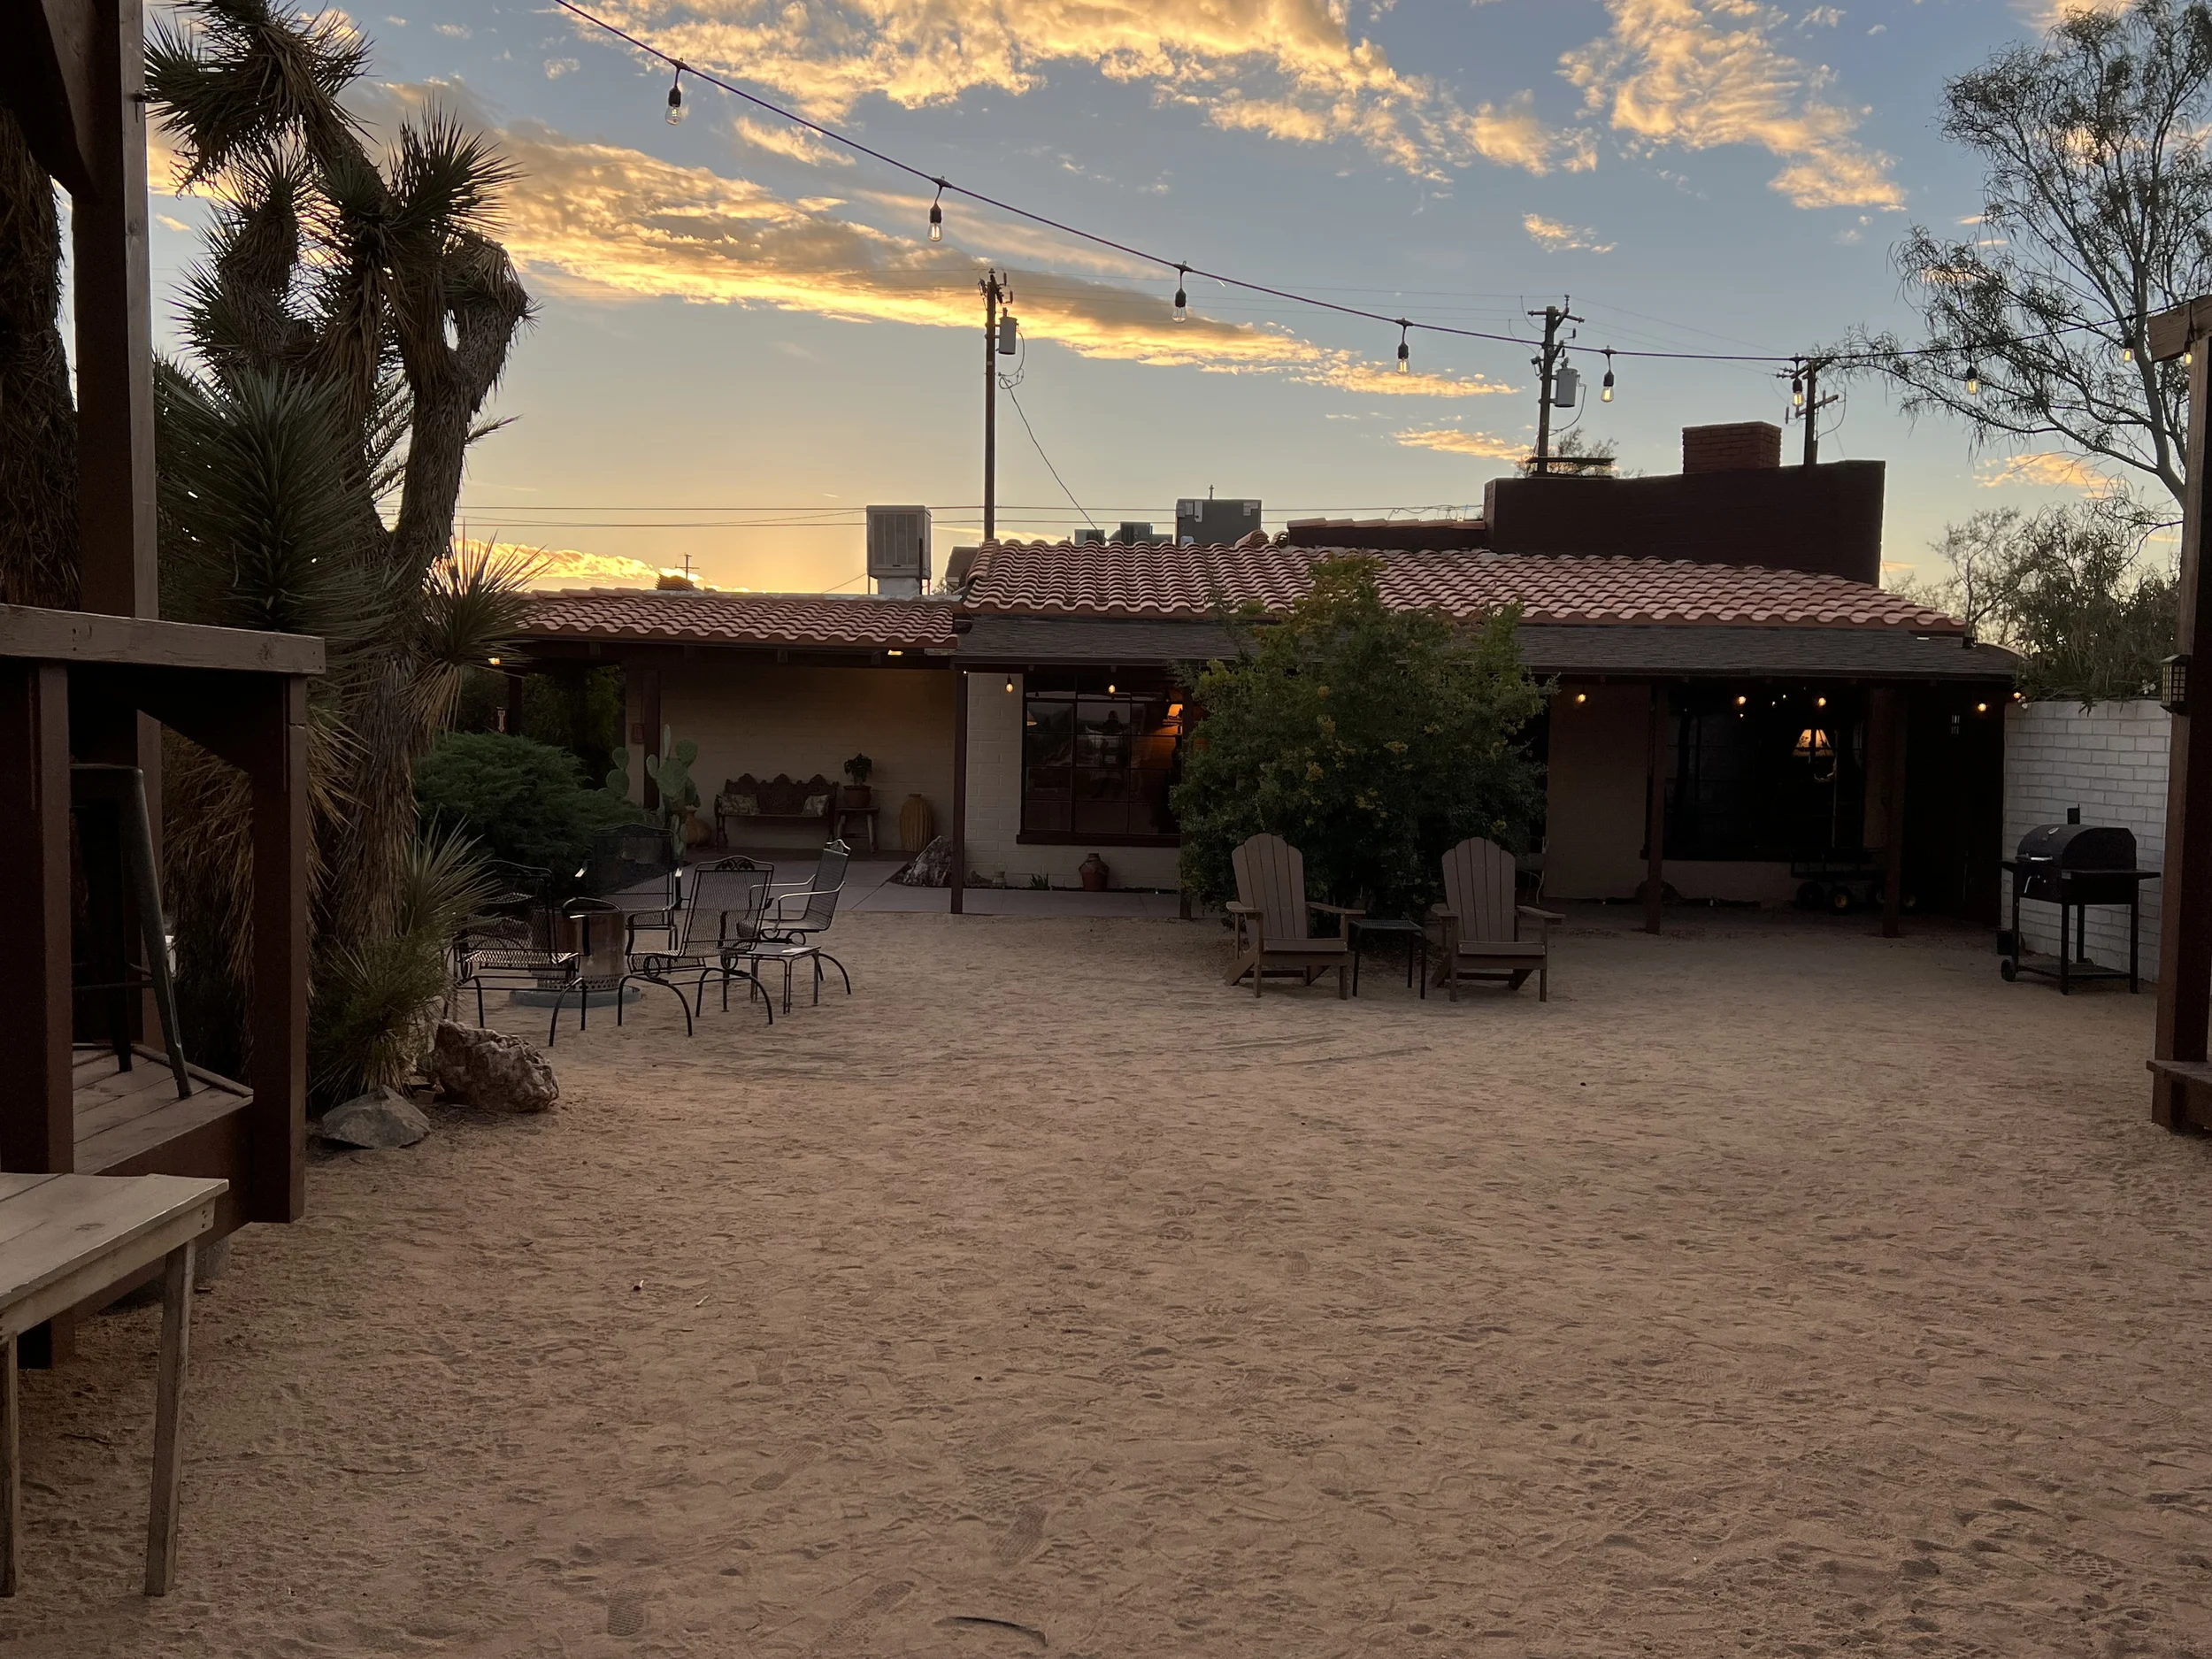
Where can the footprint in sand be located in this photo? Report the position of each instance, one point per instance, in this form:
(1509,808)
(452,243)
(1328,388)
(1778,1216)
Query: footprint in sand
(1021,1539)
(626,1614)
(878,1602)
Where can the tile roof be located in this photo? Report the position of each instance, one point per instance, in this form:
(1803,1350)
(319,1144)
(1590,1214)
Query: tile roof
(814,621)
(1161,580)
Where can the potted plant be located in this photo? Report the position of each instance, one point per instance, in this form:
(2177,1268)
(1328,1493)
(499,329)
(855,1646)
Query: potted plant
(857,769)
(1094,873)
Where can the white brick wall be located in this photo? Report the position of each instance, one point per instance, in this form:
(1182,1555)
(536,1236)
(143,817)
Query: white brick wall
(2110,761)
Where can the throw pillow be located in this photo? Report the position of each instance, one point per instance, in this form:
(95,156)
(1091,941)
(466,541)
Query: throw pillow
(816,806)
(740,805)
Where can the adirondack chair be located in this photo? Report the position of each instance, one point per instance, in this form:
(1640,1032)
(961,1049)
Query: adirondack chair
(1272,908)
(1481,923)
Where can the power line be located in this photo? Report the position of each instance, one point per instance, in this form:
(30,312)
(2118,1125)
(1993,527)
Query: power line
(1185,267)
(1046,459)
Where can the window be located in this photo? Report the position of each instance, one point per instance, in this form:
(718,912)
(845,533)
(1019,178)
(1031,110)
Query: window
(1097,763)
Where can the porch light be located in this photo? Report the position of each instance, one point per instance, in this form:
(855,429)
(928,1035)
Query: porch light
(1820,702)
(1742,701)
(1174,711)
(1582,696)
(1010,682)
(1981,707)
(2173,685)
(895,653)
(1109,689)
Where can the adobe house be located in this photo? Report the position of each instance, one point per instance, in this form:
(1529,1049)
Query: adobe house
(1782,699)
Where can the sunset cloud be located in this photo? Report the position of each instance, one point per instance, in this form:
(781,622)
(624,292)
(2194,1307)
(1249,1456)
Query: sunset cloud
(1697,74)
(1554,237)
(1452,440)
(2045,470)
(1288,69)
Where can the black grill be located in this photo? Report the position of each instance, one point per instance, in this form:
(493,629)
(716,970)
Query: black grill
(2074,865)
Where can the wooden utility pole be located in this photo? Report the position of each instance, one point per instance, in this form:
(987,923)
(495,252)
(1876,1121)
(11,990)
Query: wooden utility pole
(2183,1090)
(996,292)
(1547,367)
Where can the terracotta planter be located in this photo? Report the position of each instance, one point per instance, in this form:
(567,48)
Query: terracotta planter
(696,831)
(859,794)
(1094,873)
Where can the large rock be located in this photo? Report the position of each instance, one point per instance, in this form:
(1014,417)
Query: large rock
(382,1117)
(932,867)
(491,1070)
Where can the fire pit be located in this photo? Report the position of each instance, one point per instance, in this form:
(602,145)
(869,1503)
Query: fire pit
(2075,866)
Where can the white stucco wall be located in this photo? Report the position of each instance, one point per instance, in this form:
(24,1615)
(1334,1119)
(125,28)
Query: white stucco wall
(994,805)
(2110,761)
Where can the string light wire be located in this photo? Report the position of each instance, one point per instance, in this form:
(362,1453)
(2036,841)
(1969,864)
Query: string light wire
(1184,269)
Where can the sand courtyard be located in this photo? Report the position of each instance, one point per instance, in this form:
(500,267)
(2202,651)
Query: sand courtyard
(1774,1289)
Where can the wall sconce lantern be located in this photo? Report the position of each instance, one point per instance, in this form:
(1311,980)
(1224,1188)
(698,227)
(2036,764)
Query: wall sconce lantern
(2173,685)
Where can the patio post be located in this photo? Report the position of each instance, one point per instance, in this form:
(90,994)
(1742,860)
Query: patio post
(959,789)
(2184,938)
(1894,811)
(1655,812)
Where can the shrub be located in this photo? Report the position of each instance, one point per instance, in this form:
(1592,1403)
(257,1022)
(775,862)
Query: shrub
(522,800)
(1369,739)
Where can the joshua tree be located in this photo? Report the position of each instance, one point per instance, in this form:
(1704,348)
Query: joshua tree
(38,422)
(351,317)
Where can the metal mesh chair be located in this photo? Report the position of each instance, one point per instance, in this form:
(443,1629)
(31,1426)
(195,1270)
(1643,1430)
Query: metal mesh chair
(636,868)
(718,921)
(511,942)
(799,916)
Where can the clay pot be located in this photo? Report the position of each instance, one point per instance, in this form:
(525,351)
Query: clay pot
(1094,871)
(859,794)
(697,832)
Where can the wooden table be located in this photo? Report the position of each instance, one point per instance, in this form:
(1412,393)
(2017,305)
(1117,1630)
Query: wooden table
(63,1239)
(865,814)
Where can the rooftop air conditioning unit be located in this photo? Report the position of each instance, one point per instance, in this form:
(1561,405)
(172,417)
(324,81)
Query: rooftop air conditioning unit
(1129,533)
(1087,535)
(1216,523)
(898,551)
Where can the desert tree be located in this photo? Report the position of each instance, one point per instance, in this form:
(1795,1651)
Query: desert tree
(2096,214)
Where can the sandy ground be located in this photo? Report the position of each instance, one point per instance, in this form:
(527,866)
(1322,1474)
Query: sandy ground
(1773,1289)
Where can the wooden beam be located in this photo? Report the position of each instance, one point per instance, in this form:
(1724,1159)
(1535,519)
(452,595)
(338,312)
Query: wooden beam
(114,312)
(1893,776)
(2171,333)
(2185,937)
(959,791)
(278,1128)
(78,636)
(46,80)
(1655,813)
(37,1128)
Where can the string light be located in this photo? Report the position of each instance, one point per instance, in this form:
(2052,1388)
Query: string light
(1973,378)
(937,214)
(1605,393)
(676,98)
(1182,300)
(1405,352)
(675,105)
(2127,353)
(1797,391)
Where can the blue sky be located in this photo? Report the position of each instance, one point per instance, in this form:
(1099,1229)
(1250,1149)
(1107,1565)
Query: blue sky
(742,339)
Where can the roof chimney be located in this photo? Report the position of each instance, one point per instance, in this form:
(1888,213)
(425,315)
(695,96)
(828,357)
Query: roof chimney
(1731,447)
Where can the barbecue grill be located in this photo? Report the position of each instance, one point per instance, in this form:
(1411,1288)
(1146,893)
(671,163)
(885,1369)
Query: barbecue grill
(2075,866)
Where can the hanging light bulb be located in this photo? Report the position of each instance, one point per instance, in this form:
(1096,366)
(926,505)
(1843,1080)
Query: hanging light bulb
(2187,358)
(676,98)
(2127,352)
(937,214)
(1182,300)
(1973,378)
(1405,352)
(1797,391)
(1605,390)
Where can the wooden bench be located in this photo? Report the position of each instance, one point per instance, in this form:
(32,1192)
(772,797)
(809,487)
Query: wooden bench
(65,1239)
(778,803)
(2181,1095)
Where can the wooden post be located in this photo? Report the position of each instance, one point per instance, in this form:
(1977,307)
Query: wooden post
(278,1132)
(11,1469)
(513,727)
(114,313)
(37,1126)
(1655,812)
(2184,938)
(1894,811)
(176,1353)
(959,791)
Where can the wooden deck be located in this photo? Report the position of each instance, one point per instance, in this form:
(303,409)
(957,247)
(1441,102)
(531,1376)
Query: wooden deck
(132,1123)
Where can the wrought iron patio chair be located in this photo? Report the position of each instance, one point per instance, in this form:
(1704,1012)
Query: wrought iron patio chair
(512,941)
(718,920)
(637,868)
(800,915)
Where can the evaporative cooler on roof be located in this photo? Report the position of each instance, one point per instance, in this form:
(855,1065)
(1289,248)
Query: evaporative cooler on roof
(898,551)
(1216,523)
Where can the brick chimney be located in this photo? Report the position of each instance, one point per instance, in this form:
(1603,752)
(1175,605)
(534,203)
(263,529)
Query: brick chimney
(1731,447)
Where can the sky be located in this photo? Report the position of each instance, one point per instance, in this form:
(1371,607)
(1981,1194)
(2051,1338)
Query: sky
(743,335)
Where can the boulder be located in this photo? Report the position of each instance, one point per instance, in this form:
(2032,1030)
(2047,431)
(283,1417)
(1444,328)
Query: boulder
(932,867)
(382,1117)
(491,1070)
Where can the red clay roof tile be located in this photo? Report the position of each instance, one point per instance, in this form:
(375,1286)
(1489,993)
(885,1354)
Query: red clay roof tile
(1161,580)
(802,620)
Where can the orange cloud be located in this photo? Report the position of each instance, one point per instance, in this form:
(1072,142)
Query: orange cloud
(1452,440)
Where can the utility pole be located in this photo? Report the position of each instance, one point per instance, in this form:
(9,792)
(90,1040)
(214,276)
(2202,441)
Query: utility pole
(1807,403)
(996,293)
(1547,367)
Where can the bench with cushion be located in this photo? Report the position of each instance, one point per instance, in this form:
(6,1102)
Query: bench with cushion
(778,802)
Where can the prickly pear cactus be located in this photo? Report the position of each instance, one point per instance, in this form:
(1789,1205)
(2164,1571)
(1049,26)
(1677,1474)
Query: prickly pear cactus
(671,771)
(618,780)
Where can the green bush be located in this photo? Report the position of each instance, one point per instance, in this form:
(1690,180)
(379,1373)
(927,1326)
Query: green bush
(1369,739)
(522,800)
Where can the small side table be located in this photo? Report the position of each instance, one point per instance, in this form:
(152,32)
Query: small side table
(1417,938)
(866,814)
(65,1238)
